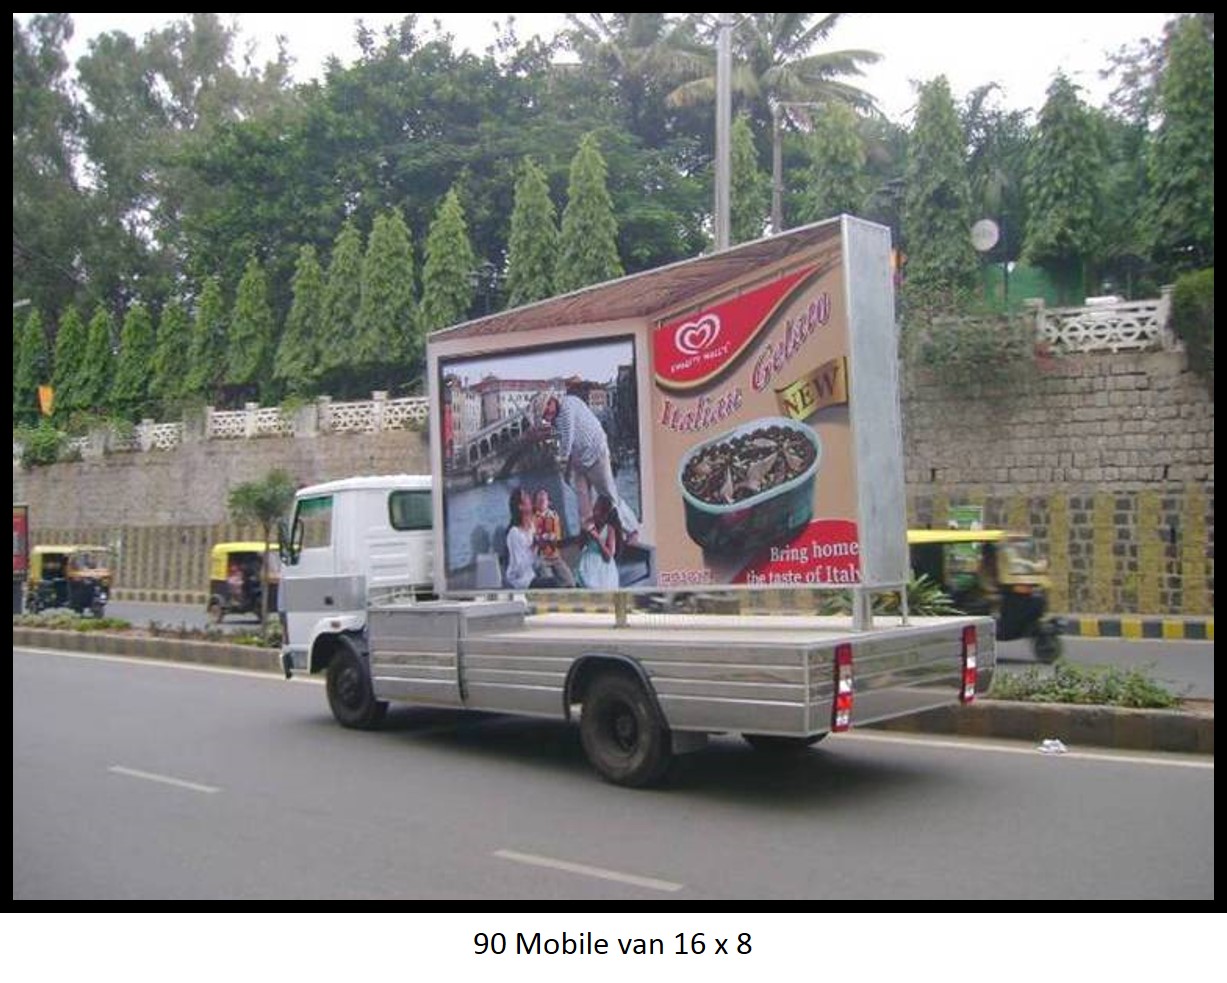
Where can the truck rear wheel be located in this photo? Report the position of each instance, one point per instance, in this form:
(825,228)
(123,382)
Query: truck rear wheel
(350,693)
(779,745)
(622,732)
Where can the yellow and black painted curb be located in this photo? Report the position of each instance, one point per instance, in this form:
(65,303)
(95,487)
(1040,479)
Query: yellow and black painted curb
(1097,726)
(144,595)
(1139,627)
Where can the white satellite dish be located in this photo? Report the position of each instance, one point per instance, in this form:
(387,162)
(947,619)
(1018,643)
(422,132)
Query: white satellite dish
(984,235)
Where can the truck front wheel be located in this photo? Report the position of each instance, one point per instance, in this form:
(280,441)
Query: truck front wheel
(350,694)
(622,732)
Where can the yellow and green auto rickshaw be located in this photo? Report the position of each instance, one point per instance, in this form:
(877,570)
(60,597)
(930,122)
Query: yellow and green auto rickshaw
(991,571)
(69,576)
(235,581)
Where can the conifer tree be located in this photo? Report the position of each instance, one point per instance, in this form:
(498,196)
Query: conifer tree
(99,363)
(252,335)
(447,272)
(342,294)
(70,341)
(532,246)
(31,369)
(835,181)
(387,335)
(1182,152)
(130,388)
(296,367)
(749,187)
(588,250)
(168,379)
(207,352)
(941,265)
(1063,182)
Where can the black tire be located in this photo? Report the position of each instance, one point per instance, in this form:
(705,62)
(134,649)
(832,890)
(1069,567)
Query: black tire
(779,745)
(216,611)
(1047,646)
(350,694)
(98,610)
(623,733)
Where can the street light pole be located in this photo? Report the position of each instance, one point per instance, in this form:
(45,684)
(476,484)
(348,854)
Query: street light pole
(724,63)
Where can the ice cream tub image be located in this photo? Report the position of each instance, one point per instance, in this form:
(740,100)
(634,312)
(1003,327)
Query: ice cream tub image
(750,486)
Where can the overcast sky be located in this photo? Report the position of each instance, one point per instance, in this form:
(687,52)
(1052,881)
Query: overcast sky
(1021,52)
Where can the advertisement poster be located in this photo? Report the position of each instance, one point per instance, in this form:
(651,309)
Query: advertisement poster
(541,465)
(753,452)
(21,542)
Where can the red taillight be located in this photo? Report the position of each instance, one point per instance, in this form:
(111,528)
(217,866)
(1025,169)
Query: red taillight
(841,712)
(968,691)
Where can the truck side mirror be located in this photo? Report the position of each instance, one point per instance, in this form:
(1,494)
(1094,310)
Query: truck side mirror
(288,545)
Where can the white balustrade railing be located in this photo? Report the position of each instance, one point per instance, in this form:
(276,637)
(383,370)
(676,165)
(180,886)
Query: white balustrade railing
(1136,326)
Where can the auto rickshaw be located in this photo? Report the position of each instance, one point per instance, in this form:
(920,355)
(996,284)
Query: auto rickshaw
(74,576)
(991,571)
(235,582)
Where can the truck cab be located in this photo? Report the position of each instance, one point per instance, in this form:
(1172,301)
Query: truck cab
(347,542)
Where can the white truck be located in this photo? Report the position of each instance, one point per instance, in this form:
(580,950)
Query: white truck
(732,423)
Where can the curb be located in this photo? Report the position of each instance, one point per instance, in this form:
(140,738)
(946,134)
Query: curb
(1113,727)
(150,596)
(1097,726)
(1137,627)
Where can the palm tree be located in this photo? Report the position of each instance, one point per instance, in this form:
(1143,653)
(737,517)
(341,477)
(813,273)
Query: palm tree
(772,63)
(645,54)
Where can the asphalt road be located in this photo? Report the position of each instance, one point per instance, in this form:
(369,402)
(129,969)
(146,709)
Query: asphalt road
(138,780)
(1185,667)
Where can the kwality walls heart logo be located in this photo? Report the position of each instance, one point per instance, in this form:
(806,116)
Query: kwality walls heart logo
(692,350)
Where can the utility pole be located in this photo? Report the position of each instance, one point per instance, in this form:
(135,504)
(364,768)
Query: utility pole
(724,64)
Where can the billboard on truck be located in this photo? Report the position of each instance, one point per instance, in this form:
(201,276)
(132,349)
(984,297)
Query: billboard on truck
(729,421)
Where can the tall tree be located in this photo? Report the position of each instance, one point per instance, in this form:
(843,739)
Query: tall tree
(130,387)
(588,250)
(342,295)
(48,206)
(253,334)
(448,267)
(296,366)
(941,263)
(31,369)
(997,141)
(1063,183)
(70,344)
(206,367)
(1182,152)
(773,61)
(836,180)
(168,378)
(99,362)
(532,246)
(749,186)
(387,336)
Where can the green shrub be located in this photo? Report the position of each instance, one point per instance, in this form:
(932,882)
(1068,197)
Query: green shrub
(924,597)
(41,445)
(1069,683)
(1193,320)
(66,621)
(979,350)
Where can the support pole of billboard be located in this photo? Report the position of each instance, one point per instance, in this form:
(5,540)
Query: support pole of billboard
(724,64)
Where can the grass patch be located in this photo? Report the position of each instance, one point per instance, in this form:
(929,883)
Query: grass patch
(1091,685)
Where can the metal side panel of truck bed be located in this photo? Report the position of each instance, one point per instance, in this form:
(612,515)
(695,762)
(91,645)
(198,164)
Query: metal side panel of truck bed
(764,674)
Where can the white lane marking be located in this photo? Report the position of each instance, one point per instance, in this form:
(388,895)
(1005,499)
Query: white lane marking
(1187,761)
(276,675)
(164,779)
(586,871)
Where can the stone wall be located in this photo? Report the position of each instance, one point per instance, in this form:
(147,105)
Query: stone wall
(1107,459)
